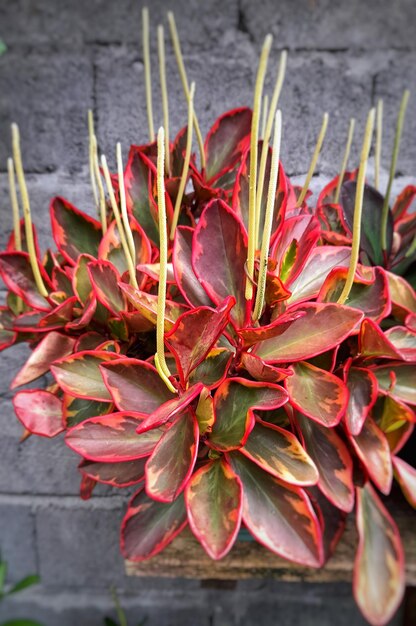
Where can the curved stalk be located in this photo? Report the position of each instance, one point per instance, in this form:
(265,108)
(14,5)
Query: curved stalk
(267,134)
(102,205)
(379,139)
(186,162)
(91,135)
(147,72)
(345,160)
(184,81)
(258,90)
(160,360)
(395,154)
(356,231)
(164,90)
(271,197)
(126,250)
(123,204)
(15,205)
(314,159)
(34,263)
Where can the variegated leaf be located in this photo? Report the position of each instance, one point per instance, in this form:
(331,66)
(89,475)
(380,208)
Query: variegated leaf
(80,374)
(39,411)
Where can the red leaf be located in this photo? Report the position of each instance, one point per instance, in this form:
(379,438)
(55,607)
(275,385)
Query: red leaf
(105,281)
(112,438)
(373,343)
(226,141)
(17,275)
(219,255)
(139,179)
(214,504)
(149,526)
(317,393)
(405,475)
(39,411)
(169,409)
(74,232)
(195,333)
(404,341)
(53,346)
(172,461)
(135,385)
(362,389)
(185,277)
(379,579)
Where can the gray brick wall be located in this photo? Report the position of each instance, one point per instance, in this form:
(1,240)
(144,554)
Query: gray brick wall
(65,56)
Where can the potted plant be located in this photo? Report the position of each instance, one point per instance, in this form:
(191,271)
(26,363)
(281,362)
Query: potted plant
(211,342)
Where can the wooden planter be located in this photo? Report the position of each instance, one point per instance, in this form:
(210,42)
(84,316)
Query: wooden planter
(185,558)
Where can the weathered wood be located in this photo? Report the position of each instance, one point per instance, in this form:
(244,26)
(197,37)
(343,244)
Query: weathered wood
(185,558)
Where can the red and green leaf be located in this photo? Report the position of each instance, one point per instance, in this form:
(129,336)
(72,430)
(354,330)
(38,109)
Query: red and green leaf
(112,438)
(80,374)
(170,409)
(379,580)
(278,516)
(172,461)
(74,232)
(122,474)
(234,403)
(185,277)
(279,452)
(373,343)
(149,526)
(139,179)
(333,461)
(213,500)
(373,450)
(319,328)
(404,341)
(405,475)
(77,410)
(317,393)
(399,378)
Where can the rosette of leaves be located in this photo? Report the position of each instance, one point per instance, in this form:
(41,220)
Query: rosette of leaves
(231,383)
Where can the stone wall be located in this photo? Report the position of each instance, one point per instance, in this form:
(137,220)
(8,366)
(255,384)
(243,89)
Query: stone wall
(65,56)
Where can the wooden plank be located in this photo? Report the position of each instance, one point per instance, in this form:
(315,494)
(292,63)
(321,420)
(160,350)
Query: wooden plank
(185,558)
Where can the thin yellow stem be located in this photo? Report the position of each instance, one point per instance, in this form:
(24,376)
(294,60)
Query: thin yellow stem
(345,160)
(394,156)
(379,138)
(17,157)
(164,90)
(268,219)
(15,205)
(314,159)
(102,203)
(359,195)
(186,162)
(264,115)
(123,203)
(160,360)
(184,80)
(258,90)
(147,72)
(129,260)
(267,134)
(91,135)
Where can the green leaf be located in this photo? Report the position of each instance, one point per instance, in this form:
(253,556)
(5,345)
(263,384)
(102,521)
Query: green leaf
(74,232)
(26,582)
(226,141)
(3,47)
(3,574)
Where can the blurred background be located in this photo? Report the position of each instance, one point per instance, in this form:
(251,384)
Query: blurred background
(59,58)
